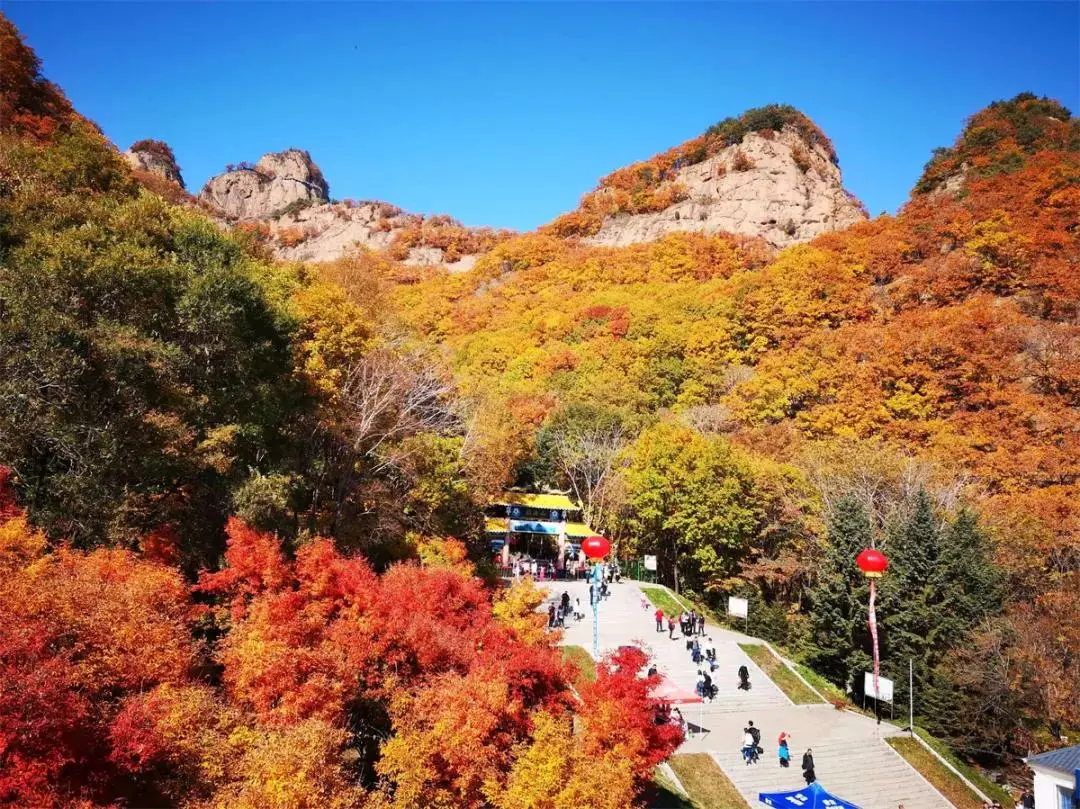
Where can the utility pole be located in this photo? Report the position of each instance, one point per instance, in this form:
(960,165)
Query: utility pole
(911,696)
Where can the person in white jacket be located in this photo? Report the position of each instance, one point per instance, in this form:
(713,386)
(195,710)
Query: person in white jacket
(749,747)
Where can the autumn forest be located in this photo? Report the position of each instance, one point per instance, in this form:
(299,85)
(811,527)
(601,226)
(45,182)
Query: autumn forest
(242,560)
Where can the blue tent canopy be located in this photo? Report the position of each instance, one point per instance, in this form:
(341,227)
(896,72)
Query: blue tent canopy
(812,797)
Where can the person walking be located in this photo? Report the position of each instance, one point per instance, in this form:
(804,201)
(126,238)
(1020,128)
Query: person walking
(671,627)
(755,732)
(710,652)
(659,616)
(808,767)
(551,616)
(701,624)
(783,752)
(749,748)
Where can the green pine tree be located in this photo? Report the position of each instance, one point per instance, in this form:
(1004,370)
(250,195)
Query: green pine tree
(971,587)
(911,598)
(839,598)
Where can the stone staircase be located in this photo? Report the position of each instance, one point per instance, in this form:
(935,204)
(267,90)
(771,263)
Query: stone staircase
(851,757)
(851,760)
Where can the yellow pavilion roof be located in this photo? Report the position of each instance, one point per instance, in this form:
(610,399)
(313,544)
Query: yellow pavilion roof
(495,525)
(578,530)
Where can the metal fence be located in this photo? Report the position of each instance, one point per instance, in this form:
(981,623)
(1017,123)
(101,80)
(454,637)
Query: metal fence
(635,569)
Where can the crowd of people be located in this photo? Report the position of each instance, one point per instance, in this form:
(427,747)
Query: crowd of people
(702,652)
(560,611)
(548,570)
(690,623)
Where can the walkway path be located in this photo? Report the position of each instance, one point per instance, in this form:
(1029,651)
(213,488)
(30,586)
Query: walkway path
(850,755)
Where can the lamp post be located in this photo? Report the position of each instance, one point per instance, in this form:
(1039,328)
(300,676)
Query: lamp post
(873,564)
(596,548)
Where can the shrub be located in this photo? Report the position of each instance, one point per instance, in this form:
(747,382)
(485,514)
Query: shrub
(775,117)
(155,147)
(740,162)
(801,157)
(296,206)
(290,237)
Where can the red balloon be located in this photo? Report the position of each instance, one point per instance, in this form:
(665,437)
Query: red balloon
(596,547)
(872,563)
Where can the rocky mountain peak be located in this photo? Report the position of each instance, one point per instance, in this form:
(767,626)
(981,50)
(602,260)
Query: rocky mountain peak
(770,173)
(284,199)
(280,181)
(155,157)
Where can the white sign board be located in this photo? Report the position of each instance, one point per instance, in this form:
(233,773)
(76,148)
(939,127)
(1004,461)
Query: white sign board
(885,687)
(739,607)
(650,563)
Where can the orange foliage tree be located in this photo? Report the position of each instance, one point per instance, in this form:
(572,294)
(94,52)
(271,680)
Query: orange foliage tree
(338,687)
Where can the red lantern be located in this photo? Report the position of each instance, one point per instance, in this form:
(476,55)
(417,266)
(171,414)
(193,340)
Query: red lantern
(872,563)
(596,547)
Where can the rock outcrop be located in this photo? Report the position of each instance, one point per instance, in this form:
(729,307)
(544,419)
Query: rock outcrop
(769,173)
(155,157)
(280,181)
(775,186)
(285,198)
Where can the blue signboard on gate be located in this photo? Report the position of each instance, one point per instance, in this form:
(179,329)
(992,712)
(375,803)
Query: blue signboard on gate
(533,527)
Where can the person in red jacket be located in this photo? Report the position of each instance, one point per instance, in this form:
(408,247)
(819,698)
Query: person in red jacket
(659,620)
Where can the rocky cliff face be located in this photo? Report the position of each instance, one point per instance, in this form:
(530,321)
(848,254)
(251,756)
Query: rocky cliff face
(279,180)
(772,184)
(154,157)
(286,197)
(769,173)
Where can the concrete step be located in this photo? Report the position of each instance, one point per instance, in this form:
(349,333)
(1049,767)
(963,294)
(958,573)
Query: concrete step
(851,756)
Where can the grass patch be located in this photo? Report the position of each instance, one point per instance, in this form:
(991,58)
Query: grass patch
(992,790)
(944,779)
(661,598)
(831,692)
(780,674)
(582,659)
(706,783)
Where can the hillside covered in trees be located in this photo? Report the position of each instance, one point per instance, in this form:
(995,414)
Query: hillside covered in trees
(182,422)
(251,467)
(921,367)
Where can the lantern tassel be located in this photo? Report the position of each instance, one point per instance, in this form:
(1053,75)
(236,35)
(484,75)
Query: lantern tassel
(873,635)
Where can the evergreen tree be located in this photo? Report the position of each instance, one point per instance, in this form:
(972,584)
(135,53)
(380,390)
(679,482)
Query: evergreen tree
(970,594)
(839,597)
(971,587)
(911,598)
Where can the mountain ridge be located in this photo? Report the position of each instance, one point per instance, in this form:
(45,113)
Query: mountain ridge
(769,172)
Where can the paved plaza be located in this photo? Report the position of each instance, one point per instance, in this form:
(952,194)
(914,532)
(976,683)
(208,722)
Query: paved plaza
(851,757)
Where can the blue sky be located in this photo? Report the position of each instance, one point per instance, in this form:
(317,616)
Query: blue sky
(505,113)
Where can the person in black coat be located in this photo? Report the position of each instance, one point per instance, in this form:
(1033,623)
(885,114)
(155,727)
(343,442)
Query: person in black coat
(808,767)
